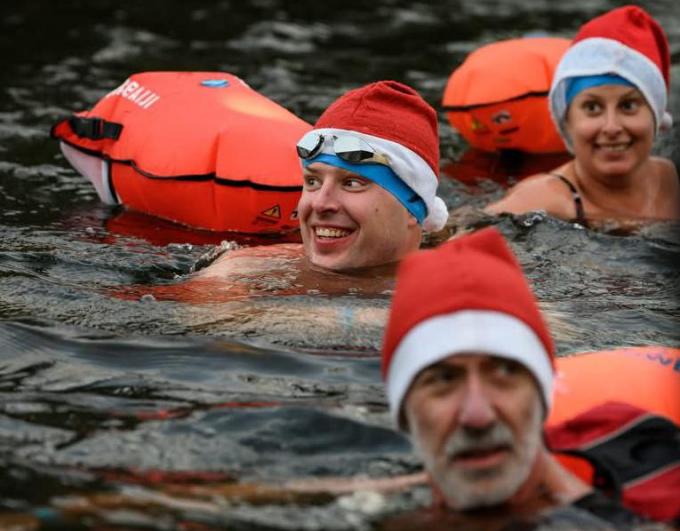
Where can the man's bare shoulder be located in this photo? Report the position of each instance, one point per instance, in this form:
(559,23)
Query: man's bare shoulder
(253,260)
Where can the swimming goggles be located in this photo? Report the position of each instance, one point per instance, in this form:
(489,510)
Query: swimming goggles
(348,147)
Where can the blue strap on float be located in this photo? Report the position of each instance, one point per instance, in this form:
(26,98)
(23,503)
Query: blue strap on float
(576,85)
(384,177)
(95,128)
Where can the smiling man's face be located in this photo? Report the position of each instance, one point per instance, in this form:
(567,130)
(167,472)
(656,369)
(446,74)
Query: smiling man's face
(349,222)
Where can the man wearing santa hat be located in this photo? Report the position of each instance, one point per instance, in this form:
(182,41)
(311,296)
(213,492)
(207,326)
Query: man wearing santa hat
(369,170)
(370,175)
(370,178)
(468,364)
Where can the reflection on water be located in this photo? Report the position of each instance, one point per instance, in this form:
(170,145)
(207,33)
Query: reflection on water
(128,380)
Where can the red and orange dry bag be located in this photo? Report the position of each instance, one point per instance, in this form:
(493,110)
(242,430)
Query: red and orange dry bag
(199,148)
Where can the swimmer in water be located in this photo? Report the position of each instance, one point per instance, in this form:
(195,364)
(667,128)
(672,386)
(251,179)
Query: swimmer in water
(370,174)
(468,363)
(609,100)
(370,178)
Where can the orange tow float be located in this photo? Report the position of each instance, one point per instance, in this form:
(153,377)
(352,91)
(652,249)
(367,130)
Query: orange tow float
(497,99)
(645,377)
(615,423)
(198,148)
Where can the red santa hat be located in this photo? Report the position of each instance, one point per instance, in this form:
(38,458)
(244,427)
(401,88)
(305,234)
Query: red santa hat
(395,120)
(467,296)
(626,42)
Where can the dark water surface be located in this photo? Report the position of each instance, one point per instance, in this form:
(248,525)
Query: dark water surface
(106,390)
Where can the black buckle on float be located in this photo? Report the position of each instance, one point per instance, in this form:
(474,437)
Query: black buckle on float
(95,128)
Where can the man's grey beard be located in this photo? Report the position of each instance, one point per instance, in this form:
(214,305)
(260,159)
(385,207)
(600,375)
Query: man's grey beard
(458,486)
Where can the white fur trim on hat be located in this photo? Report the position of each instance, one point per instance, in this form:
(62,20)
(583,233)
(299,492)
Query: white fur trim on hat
(466,331)
(410,168)
(597,56)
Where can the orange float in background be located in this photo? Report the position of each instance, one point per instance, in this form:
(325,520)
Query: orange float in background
(497,98)
(646,377)
(198,148)
(600,399)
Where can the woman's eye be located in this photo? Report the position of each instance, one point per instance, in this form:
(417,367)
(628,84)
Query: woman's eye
(631,105)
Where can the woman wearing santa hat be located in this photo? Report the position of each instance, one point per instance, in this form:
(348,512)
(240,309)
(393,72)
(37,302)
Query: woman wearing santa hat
(608,99)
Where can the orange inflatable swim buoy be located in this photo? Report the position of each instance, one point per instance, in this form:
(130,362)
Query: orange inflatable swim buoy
(615,423)
(198,148)
(645,377)
(497,98)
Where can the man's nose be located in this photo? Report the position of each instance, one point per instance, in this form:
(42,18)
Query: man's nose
(325,197)
(477,409)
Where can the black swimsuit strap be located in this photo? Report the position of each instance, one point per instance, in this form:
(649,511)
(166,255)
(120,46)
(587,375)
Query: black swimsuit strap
(578,202)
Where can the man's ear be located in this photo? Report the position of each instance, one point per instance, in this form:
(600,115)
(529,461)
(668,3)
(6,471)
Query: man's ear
(412,221)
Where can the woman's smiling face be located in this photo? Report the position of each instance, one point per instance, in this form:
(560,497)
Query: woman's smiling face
(612,129)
